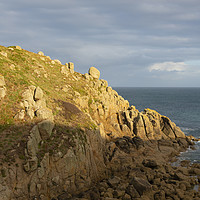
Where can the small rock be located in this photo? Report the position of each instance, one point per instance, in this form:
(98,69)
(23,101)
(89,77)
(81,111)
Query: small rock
(118,193)
(20,115)
(126,197)
(57,61)
(12,67)
(18,47)
(179,176)
(40,53)
(53,62)
(42,58)
(4,54)
(113,182)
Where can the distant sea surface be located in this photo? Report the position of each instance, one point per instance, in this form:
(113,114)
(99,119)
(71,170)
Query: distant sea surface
(181,105)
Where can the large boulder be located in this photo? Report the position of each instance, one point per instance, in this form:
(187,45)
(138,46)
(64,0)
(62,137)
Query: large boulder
(95,73)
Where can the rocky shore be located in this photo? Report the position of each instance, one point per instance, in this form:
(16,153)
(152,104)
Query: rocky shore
(143,170)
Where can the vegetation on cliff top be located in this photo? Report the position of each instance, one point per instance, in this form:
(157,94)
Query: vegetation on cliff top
(20,69)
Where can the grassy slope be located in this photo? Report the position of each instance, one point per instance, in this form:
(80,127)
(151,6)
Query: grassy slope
(33,69)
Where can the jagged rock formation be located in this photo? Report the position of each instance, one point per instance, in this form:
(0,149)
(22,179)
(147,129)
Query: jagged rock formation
(73,130)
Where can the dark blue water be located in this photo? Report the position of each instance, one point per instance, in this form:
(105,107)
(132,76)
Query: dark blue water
(181,105)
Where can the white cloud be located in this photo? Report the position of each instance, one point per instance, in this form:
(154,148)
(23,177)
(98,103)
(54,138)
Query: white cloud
(168,67)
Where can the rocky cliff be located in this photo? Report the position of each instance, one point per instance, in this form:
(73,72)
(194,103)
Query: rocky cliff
(62,132)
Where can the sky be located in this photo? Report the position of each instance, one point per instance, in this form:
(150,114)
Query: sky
(133,43)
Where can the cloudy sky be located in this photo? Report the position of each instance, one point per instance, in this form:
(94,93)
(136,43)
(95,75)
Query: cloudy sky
(134,43)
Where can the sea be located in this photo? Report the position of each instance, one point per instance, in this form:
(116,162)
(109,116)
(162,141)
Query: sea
(181,105)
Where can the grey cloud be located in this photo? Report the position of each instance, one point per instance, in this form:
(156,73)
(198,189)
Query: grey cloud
(123,37)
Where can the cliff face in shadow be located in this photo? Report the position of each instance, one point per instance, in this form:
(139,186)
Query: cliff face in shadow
(62,131)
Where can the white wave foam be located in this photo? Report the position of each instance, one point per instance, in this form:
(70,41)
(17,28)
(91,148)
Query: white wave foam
(187,129)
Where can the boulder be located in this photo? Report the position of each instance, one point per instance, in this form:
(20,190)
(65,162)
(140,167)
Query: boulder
(141,185)
(113,182)
(130,190)
(18,47)
(45,128)
(150,163)
(44,113)
(2,92)
(40,53)
(38,93)
(94,72)
(58,61)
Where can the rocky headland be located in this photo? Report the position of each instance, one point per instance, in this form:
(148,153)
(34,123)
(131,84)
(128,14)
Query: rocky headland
(66,135)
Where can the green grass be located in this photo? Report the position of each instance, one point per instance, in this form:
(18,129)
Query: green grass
(23,76)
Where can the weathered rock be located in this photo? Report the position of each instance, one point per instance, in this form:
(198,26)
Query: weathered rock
(95,73)
(45,128)
(150,163)
(132,192)
(141,185)
(64,70)
(71,67)
(57,61)
(40,53)
(18,47)
(139,128)
(138,142)
(126,197)
(113,182)
(86,76)
(38,94)
(4,54)
(20,115)
(2,92)
(44,113)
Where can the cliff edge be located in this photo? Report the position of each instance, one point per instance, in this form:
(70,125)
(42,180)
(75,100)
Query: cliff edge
(66,135)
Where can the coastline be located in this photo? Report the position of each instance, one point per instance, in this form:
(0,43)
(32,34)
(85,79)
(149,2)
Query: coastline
(144,170)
